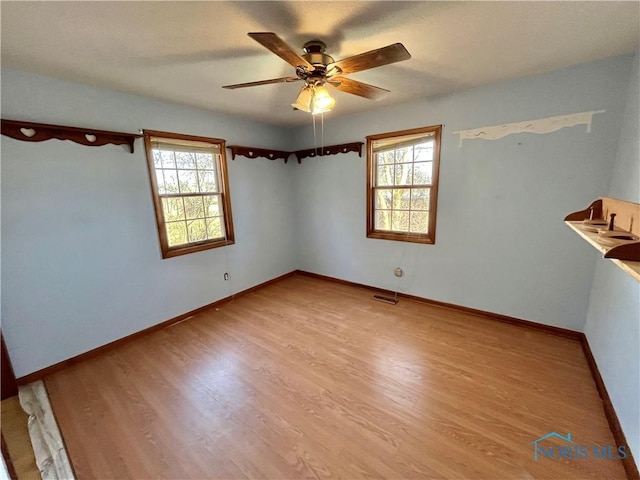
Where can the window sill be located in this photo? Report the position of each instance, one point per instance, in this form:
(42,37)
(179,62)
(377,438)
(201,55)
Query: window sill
(177,251)
(401,237)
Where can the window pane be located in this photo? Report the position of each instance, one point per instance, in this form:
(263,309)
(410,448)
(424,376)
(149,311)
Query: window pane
(419,222)
(188,181)
(385,175)
(197,230)
(422,173)
(207,181)
(383,220)
(403,174)
(176,233)
(173,209)
(401,198)
(420,199)
(160,182)
(186,160)
(423,152)
(204,160)
(168,159)
(386,158)
(157,159)
(404,155)
(400,221)
(193,207)
(170,181)
(212,206)
(215,227)
(384,199)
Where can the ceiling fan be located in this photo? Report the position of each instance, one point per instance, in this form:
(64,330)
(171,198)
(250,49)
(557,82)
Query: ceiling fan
(316,69)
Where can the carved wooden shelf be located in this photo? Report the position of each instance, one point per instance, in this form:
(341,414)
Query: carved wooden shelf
(624,253)
(254,152)
(330,150)
(39,132)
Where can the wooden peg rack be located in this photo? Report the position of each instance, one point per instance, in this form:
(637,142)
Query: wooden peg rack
(39,132)
(254,152)
(624,253)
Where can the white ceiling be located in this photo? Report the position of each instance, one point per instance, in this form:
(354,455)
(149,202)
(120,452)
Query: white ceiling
(185,51)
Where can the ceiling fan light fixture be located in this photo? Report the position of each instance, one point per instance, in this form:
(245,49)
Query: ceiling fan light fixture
(322,102)
(314,99)
(304,100)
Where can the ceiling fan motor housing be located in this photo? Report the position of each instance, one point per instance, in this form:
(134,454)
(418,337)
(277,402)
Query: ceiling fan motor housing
(314,53)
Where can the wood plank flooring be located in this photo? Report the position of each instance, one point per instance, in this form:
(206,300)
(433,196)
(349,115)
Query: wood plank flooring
(308,378)
(16,434)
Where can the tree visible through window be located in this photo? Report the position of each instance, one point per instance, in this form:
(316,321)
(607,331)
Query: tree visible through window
(190,189)
(402,184)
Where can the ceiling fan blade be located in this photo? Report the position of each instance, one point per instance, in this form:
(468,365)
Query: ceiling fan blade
(262,82)
(278,46)
(355,87)
(374,58)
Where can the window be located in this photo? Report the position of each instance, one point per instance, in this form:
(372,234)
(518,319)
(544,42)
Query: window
(190,192)
(402,184)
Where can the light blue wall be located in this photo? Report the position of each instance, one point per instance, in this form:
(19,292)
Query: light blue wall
(613,319)
(501,242)
(81,263)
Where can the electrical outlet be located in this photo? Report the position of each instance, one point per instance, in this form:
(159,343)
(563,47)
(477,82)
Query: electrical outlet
(398,272)
(226,276)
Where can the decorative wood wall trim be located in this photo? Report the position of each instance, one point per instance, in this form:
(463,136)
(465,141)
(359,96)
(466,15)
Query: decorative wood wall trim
(627,213)
(253,152)
(624,252)
(539,126)
(596,207)
(39,132)
(329,150)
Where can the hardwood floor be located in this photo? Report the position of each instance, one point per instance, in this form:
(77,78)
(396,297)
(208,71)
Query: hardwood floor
(307,378)
(16,435)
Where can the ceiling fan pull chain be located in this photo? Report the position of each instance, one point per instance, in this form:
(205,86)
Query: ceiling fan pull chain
(322,133)
(315,140)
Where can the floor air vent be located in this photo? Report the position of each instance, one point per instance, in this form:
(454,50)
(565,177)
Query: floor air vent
(382,298)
